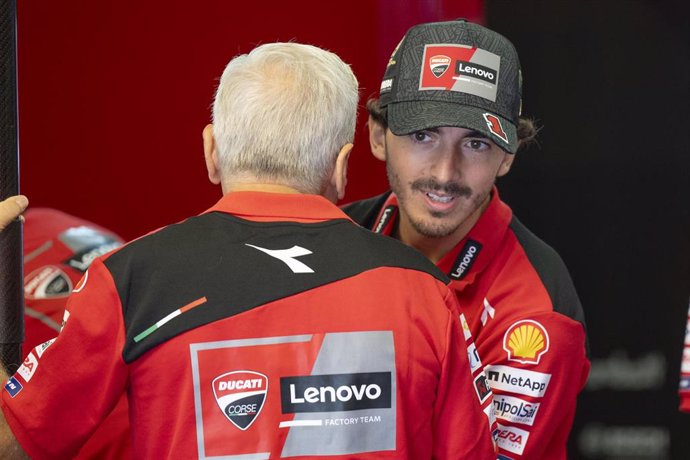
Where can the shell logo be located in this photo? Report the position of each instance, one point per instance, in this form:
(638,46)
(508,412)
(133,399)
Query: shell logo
(526,342)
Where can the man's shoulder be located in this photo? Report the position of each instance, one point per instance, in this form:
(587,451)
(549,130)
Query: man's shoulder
(551,270)
(364,212)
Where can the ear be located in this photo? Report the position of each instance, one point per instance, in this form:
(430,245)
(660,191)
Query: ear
(507,162)
(211,155)
(339,177)
(377,139)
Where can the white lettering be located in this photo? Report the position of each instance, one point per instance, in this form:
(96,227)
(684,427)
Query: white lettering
(329,394)
(476,71)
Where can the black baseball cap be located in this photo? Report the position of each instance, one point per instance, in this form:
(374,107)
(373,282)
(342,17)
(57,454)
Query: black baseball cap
(454,73)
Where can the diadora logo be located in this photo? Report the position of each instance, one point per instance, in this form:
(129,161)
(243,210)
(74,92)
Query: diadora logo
(335,392)
(240,396)
(512,439)
(515,410)
(288,256)
(384,219)
(526,342)
(519,381)
(465,259)
(439,64)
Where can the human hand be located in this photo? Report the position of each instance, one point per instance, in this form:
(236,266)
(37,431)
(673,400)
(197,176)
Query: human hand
(11,208)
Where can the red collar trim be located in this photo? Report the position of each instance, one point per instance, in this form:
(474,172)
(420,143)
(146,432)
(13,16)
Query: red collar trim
(266,206)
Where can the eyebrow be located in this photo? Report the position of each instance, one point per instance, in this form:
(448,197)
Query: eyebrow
(473,133)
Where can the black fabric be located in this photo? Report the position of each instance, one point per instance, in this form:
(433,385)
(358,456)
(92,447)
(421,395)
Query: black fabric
(207,256)
(553,273)
(365,212)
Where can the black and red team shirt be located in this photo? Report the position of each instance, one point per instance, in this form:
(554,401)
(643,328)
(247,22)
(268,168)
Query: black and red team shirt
(684,387)
(58,249)
(527,321)
(270,326)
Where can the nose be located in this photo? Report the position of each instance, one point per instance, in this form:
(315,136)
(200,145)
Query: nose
(445,165)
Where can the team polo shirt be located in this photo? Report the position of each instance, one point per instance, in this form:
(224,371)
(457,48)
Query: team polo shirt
(526,318)
(270,326)
(58,249)
(684,387)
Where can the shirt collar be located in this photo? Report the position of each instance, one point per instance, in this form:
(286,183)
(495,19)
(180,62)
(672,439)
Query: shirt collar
(474,252)
(278,206)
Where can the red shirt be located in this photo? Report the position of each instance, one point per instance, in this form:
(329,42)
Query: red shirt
(269,326)
(526,320)
(684,387)
(58,249)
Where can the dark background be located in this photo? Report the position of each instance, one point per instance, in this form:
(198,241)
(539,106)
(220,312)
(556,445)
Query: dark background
(609,188)
(114,94)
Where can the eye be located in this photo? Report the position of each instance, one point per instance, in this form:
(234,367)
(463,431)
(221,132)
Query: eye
(478,144)
(421,136)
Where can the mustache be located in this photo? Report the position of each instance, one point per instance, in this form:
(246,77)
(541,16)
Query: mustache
(450,188)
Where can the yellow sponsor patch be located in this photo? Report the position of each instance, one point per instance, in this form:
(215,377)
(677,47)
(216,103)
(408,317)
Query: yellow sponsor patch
(526,342)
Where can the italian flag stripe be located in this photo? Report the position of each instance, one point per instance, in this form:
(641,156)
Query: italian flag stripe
(172,315)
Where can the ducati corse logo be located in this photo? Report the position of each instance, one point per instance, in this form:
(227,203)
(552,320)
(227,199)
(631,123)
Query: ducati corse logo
(240,395)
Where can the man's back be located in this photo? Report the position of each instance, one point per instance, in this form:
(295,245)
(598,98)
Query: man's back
(274,327)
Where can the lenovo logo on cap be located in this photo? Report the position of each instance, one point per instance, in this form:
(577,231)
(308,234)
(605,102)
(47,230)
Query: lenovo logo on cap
(240,396)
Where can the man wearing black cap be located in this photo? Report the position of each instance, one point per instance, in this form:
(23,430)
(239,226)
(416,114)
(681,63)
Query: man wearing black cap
(447,124)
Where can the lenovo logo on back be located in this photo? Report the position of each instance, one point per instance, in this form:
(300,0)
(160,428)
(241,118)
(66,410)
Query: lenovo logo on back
(336,392)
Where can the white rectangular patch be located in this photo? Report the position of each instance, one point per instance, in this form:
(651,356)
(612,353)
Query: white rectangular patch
(515,410)
(43,347)
(512,439)
(473,357)
(465,327)
(28,367)
(518,381)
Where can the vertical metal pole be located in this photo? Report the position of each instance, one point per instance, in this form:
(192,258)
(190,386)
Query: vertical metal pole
(11,263)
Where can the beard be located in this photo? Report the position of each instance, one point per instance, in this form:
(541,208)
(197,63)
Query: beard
(435,224)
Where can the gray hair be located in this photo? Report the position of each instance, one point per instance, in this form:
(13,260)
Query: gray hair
(282,113)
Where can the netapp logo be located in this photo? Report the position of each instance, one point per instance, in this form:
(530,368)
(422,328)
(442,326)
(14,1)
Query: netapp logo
(335,392)
(473,70)
(465,259)
(519,381)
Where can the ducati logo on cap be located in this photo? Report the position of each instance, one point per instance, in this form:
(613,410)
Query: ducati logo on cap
(240,396)
(439,64)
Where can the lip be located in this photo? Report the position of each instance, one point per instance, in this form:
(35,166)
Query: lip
(439,206)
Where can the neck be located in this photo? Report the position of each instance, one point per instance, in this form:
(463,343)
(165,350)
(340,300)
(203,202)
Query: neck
(435,248)
(258,187)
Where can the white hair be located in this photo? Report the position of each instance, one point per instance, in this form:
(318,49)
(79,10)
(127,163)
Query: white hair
(282,113)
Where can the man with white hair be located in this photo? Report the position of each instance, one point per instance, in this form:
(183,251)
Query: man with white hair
(270,326)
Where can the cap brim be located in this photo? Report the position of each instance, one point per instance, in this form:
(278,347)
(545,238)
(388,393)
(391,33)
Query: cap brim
(408,117)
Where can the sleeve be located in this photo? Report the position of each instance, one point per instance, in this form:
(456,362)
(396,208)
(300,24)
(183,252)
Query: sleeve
(537,367)
(463,416)
(65,388)
(684,386)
